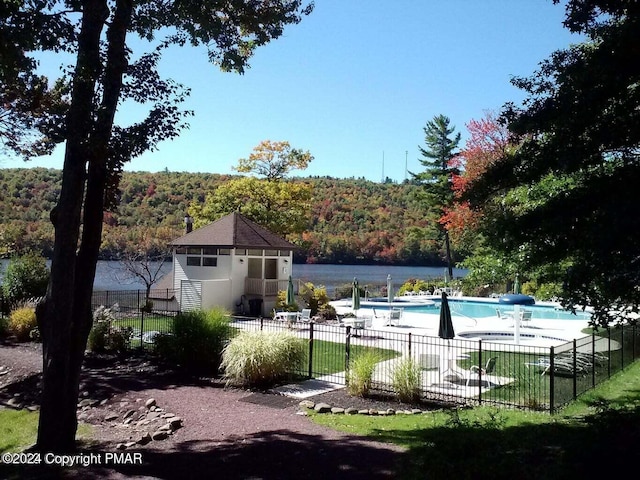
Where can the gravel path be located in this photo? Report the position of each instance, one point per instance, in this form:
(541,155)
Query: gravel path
(227,433)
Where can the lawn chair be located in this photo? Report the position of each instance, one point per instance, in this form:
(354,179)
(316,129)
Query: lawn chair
(503,315)
(475,371)
(305,315)
(395,315)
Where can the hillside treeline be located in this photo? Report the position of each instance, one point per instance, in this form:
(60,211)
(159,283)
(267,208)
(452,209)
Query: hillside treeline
(352,220)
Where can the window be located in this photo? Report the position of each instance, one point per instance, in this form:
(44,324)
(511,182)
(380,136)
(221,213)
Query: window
(181,251)
(194,251)
(224,251)
(241,251)
(255,253)
(271,253)
(210,261)
(209,251)
(193,261)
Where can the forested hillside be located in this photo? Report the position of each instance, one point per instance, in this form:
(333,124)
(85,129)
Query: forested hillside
(352,221)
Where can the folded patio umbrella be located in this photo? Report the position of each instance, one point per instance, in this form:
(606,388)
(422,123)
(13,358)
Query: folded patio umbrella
(291,299)
(355,295)
(445,329)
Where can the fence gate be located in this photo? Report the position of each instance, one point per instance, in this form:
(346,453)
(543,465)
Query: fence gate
(190,295)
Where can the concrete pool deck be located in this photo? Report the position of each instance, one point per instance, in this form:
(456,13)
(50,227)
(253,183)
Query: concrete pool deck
(540,331)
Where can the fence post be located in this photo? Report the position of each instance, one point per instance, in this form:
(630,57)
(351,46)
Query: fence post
(593,360)
(622,347)
(141,328)
(575,371)
(609,348)
(347,353)
(480,367)
(409,344)
(552,378)
(310,349)
(261,323)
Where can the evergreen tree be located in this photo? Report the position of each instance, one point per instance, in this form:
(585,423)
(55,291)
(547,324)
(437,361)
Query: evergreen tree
(441,143)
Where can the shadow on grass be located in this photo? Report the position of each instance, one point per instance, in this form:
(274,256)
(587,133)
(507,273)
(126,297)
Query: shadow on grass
(603,445)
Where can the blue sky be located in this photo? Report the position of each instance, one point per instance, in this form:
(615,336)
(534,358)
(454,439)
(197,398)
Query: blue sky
(355,83)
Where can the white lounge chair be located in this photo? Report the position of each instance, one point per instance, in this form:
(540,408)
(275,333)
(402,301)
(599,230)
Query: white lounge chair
(395,315)
(305,315)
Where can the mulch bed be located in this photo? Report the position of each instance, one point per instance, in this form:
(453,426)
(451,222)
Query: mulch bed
(228,433)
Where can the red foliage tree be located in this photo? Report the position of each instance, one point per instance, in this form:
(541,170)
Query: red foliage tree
(488,141)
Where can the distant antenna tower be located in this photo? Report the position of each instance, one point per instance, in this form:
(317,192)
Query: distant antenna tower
(406,171)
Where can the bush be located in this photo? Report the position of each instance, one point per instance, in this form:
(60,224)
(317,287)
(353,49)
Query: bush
(21,322)
(360,373)
(97,341)
(26,277)
(103,336)
(260,359)
(197,340)
(406,379)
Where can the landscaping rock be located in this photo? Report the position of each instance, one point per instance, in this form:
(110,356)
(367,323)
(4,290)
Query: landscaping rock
(175,423)
(159,435)
(337,410)
(307,404)
(150,403)
(351,411)
(322,408)
(144,439)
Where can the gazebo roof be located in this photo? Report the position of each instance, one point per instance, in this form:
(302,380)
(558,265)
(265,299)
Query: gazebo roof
(233,231)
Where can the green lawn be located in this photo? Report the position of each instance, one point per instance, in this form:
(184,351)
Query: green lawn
(17,429)
(329,357)
(595,436)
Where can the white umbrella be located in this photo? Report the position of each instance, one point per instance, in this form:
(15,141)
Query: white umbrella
(390,295)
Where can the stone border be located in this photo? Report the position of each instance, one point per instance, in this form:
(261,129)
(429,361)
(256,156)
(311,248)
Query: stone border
(326,408)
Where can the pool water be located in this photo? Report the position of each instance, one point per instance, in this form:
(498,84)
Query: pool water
(478,309)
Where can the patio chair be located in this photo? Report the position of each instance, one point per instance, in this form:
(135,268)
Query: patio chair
(305,315)
(395,314)
(503,315)
(525,315)
(475,371)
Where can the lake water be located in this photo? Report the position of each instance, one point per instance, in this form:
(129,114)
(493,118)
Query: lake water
(110,275)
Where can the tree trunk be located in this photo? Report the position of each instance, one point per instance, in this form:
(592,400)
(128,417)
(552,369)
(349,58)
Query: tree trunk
(65,317)
(448,247)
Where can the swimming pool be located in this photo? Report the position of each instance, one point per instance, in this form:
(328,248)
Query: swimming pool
(484,309)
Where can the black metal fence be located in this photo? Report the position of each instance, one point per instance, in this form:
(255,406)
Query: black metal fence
(467,371)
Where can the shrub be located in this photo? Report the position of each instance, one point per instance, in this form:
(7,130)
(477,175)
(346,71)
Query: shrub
(26,277)
(406,379)
(262,359)
(97,341)
(103,336)
(360,373)
(281,302)
(197,340)
(21,321)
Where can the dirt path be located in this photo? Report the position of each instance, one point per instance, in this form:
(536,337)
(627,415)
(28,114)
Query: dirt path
(227,434)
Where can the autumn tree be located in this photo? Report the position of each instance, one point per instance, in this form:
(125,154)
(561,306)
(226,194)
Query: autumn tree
(272,201)
(274,160)
(109,71)
(441,143)
(567,195)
